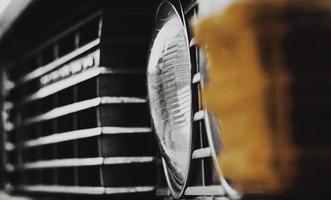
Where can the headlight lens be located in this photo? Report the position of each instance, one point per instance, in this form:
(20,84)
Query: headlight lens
(169,88)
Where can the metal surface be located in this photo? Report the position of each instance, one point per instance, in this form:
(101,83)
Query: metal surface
(77,113)
(80,134)
(86,190)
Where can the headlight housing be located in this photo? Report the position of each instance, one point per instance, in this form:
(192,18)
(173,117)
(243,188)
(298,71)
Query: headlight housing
(186,132)
(170,95)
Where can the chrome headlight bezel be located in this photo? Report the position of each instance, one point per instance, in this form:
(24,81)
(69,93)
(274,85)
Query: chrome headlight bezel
(176,187)
(197,136)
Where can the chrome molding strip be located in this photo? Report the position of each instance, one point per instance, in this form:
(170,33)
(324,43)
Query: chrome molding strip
(82,105)
(201,153)
(75,79)
(213,190)
(196,78)
(128,160)
(123,190)
(121,130)
(199,115)
(116,100)
(85,190)
(83,133)
(62,137)
(49,67)
(71,162)
(63,189)
(64,110)
(78,162)
(210,190)
(9,146)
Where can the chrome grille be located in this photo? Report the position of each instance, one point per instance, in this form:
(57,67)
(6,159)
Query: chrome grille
(76,114)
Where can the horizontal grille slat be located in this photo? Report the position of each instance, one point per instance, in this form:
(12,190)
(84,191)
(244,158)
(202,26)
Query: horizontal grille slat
(201,153)
(77,118)
(49,67)
(84,133)
(87,190)
(61,85)
(123,190)
(64,163)
(210,190)
(75,107)
(75,162)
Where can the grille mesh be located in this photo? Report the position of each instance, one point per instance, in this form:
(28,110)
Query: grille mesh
(76,114)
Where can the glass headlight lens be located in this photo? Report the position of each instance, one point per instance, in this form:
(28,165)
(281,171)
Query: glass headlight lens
(169,89)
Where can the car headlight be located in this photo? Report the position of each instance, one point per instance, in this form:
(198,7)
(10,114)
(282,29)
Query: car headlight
(184,128)
(170,95)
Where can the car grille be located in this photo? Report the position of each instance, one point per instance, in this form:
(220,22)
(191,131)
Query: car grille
(76,117)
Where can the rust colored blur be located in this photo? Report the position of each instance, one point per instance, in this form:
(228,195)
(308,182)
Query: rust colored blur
(257,66)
